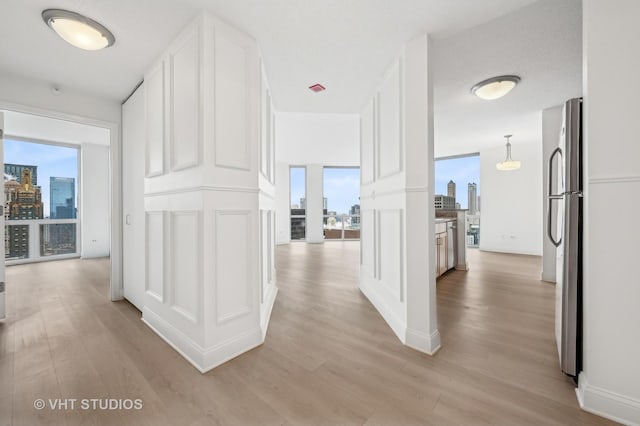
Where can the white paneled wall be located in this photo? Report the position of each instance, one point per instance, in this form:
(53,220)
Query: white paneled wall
(396,155)
(609,383)
(209,194)
(267,205)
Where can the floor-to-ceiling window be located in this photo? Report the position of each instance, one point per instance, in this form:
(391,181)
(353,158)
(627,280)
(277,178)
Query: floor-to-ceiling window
(298,202)
(40,201)
(341,203)
(457,186)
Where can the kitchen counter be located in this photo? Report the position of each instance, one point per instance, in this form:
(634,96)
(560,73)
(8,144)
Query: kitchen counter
(450,230)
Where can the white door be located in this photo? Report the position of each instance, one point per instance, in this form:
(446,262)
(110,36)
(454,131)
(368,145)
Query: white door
(133,250)
(3,300)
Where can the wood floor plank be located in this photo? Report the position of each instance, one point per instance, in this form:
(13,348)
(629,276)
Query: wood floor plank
(329,357)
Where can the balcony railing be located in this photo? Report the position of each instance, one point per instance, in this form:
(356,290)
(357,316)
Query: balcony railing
(36,240)
(342,227)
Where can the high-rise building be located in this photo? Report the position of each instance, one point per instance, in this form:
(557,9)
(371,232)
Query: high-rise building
(355,210)
(62,196)
(15,170)
(444,202)
(24,202)
(451,189)
(472,198)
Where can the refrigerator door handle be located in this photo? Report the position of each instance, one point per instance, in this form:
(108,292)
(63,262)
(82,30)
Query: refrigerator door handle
(555,152)
(549,221)
(551,197)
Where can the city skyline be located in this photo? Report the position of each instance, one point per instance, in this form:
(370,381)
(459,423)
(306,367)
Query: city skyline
(460,170)
(51,160)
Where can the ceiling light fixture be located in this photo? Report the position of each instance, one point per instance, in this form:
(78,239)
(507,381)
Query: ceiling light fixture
(495,87)
(78,30)
(508,163)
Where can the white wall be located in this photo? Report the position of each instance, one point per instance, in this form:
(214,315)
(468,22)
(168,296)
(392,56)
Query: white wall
(95,214)
(610,381)
(16,91)
(331,139)
(133,226)
(397,271)
(551,125)
(511,219)
(30,126)
(315,141)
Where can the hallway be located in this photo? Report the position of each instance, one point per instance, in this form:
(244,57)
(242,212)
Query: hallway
(329,358)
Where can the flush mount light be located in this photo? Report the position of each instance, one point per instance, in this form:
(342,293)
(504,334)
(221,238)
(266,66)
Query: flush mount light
(508,163)
(495,87)
(78,30)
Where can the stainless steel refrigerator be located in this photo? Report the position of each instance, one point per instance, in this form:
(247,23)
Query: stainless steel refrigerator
(565,208)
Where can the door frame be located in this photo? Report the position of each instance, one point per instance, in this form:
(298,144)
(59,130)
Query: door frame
(115,193)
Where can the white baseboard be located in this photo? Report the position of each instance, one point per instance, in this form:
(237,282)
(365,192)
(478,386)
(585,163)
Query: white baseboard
(429,344)
(607,404)
(396,324)
(203,359)
(267,308)
(511,251)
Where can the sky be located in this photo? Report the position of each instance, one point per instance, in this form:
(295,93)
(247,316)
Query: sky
(462,171)
(58,161)
(341,187)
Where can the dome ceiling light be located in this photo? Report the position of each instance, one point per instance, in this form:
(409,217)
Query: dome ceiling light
(495,87)
(77,30)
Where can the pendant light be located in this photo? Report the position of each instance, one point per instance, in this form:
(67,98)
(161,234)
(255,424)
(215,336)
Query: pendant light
(508,163)
(78,30)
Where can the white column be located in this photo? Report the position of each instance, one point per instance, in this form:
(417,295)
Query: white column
(315,192)
(208,195)
(283,204)
(610,382)
(422,319)
(397,272)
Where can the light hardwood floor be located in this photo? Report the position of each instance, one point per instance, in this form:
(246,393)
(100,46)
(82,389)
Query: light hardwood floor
(329,358)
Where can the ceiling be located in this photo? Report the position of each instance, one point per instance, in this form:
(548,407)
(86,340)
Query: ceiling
(344,45)
(541,43)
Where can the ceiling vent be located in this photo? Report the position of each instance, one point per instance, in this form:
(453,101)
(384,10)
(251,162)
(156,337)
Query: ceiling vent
(317,88)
